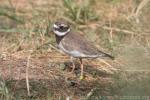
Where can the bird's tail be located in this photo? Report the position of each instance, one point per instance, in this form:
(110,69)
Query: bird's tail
(107,55)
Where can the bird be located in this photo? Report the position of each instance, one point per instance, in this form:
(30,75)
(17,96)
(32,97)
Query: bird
(75,45)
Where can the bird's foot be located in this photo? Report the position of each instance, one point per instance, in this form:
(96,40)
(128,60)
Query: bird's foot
(82,77)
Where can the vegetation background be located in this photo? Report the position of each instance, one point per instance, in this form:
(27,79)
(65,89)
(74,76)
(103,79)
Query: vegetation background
(32,68)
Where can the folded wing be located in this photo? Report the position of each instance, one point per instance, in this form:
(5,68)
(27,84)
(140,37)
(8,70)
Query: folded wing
(77,46)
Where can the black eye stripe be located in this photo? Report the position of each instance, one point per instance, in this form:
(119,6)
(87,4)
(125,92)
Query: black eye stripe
(61,27)
(64,29)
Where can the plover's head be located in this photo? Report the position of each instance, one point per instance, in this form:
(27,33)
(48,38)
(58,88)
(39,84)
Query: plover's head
(61,28)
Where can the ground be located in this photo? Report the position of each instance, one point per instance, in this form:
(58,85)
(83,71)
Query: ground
(47,78)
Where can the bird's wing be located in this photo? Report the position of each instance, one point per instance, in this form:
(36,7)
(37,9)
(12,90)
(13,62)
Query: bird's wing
(78,46)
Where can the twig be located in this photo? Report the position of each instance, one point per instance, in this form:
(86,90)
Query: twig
(141,5)
(108,65)
(124,31)
(56,49)
(48,43)
(90,93)
(27,74)
(64,57)
(111,31)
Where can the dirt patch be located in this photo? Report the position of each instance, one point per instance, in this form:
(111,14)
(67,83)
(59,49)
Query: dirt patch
(48,78)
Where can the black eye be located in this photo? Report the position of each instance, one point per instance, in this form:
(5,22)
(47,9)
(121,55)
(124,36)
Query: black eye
(61,27)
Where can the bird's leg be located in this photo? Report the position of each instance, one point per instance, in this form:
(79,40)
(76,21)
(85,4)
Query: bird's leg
(81,64)
(73,64)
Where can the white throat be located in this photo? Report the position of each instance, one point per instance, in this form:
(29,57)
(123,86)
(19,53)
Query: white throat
(61,33)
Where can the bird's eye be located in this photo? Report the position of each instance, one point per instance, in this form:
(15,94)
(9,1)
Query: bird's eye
(61,27)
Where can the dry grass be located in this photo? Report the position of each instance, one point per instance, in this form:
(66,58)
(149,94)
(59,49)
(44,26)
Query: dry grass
(122,27)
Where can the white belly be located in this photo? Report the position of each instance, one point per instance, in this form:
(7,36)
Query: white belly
(75,53)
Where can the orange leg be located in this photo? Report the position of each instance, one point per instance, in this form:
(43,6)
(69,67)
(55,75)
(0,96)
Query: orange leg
(73,65)
(81,67)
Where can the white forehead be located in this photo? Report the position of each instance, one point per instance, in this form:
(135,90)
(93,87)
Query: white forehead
(56,26)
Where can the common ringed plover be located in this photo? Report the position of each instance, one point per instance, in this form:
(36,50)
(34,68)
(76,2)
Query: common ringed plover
(73,44)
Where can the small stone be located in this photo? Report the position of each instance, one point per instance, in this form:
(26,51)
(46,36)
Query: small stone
(62,66)
(3,56)
(51,64)
(71,83)
(94,73)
